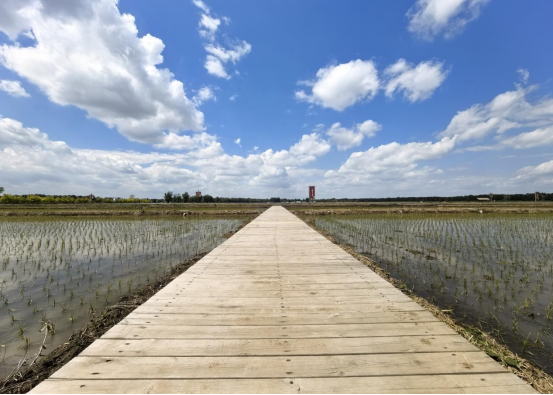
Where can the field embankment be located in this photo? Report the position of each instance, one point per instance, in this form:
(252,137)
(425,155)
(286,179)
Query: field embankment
(131,209)
(420,208)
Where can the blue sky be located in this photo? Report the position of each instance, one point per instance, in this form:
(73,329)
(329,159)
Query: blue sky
(260,99)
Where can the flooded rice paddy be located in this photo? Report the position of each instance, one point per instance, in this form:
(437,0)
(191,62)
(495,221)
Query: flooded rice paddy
(495,272)
(62,271)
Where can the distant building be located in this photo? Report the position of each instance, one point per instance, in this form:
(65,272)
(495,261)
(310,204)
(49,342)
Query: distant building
(537,196)
(198,194)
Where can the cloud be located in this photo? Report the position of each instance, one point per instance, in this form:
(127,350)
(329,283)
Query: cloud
(233,97)
(215,67)
(205,94)
(341,86)
(12,132)
(13,88)
(12,20)
(31,163)
(536,138)
(345,138)
(390,169)
(201,5)
(218,55)
(202,142)
(534,178)
(524,75)
(310,145)
(394,156)
(238,142)
(507,111)
(417,82)
(431,18)
(89,55)
(208,26)
(543,169)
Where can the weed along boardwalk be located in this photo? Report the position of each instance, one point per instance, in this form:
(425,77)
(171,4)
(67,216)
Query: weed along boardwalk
(278,308)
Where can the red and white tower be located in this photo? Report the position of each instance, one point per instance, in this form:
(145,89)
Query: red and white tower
(312,192)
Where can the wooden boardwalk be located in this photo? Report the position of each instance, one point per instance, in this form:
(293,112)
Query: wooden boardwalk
(278,308)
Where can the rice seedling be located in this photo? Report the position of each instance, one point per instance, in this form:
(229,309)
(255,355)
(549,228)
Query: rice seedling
(498,266)
(52,266)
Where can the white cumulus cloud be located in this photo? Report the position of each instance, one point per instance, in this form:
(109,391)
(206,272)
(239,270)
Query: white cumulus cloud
(344,138)
(13,88)
(416,82)
(31,162)
(431,18)
(394,156)
(218,56)
(341,86)
(89,55)
(536,138)
(508,111)
(204,94)
(208,26)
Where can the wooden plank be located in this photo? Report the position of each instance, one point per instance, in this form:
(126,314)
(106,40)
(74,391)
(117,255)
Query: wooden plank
(259,347)
(232,308)
(157,331)
(284,287)
(277,319)
(178,300)
(424,384)
(214,292)
(278,367)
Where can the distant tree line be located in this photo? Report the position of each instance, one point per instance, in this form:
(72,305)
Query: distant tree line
(67,199)
(170,197)
(516,197)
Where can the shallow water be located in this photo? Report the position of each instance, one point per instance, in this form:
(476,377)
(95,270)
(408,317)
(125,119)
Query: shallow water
(493,271)
(61,270)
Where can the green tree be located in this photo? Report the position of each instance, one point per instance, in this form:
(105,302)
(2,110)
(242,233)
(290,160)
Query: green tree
(185,197)
(1,190)
(168,197)
(207,199)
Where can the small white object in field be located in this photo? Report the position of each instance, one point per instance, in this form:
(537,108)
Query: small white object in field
(481,212)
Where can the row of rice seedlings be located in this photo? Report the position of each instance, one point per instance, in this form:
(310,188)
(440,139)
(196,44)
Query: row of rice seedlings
(496,270)
(65,271)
